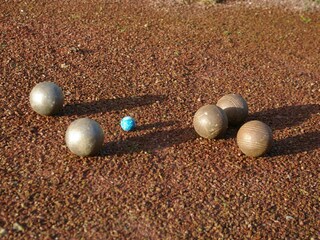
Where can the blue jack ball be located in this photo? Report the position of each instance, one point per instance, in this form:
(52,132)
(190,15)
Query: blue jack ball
(128,123)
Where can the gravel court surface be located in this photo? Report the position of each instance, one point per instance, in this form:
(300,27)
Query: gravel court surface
(159,65)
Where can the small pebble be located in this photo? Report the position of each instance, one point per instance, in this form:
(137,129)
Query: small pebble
(2,232)
(289,218)
(64,66)
(17,227)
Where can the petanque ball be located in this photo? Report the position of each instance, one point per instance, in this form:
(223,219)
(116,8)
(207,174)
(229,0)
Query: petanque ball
(235,107)
(254,138)
(46,98)
(84,137)
(210,121)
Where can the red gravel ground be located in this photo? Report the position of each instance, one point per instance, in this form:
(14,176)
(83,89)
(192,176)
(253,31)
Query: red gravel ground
(159,64)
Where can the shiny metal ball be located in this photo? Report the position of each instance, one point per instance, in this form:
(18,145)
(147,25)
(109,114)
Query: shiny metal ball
(235,107)
(210,121)
(46,98)
(84,137)
(254,138)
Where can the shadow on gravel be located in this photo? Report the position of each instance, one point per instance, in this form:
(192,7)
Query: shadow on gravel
(149,142)
(155,125)
(284,117)
(297,144)
(105,105)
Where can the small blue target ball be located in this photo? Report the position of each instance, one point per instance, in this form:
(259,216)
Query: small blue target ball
(128,123)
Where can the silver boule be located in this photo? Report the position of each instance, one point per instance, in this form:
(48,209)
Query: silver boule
(236,108)
(210,122)
(46,98)
(84,137)
(254,138)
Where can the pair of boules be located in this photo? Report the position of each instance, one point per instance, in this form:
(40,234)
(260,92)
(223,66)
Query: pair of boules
(211,121)
(84,136)
(254,138)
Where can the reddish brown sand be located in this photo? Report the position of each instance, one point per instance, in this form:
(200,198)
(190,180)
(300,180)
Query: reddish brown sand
(158,64)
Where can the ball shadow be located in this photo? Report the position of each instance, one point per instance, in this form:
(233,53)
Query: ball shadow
(297,144)
(287,116)
(105,105)
(149,142)
(155,125)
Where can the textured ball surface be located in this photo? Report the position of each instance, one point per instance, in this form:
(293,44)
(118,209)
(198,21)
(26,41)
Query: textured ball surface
(235,107)
(128,123)
(84,137)
(210,121)
(46,98)
(254,138)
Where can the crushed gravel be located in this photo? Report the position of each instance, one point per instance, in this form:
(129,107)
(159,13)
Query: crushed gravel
(158,65)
